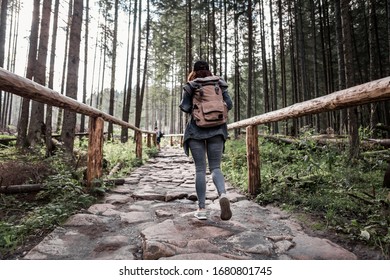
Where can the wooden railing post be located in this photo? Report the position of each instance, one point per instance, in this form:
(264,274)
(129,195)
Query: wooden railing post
(138,144)
(95,149)
(149,140)
(253,159)
(155,139)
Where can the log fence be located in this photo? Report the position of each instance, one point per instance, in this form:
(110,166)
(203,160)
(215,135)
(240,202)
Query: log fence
(27,88)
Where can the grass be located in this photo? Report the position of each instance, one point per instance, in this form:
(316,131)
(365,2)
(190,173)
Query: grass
(320,181)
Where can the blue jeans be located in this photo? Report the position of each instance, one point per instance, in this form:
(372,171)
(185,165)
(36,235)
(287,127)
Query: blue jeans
(213,147)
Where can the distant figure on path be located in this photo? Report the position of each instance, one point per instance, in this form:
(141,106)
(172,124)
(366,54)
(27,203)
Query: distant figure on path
(206,140)
(159,135)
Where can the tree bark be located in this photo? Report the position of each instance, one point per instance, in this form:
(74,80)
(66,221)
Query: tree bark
(138,104)
(126,109)
(23,119)
(253,160)
(113,70)
(250,62)
(3,31)
(37,126)
(49,108)
(340,63)
(274,103)
(95,150)
(350,79)
(63,79)
(282,59)
(145,70)
(85,79)
(69,122)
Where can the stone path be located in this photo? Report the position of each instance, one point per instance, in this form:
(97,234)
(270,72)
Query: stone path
(151,217)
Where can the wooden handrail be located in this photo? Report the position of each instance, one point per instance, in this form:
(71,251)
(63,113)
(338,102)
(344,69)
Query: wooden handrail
(378,90)
(27,88)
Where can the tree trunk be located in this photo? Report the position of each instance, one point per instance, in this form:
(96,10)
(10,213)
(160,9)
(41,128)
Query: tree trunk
(294,84)
(138,109)
(267,106)
(214,35)
(49,108)
(69,122)
(317,123)
(225,70)
(350,80)
(85,79)
(304,82)
(274,102)
(37,126)
(113,70)
(103,58)
(375,65)
(126,109)
(282,60)
(236,72)
(23,119)
(250,62)
(341,64)
(3,31)
(127,63)
(63,80)
(145,73)
(189,38)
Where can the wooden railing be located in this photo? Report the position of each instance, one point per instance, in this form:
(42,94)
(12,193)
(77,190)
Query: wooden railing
(378,90)
(27,88)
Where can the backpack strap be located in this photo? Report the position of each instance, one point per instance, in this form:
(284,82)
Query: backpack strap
(188,87)
(216,88)
(222,84)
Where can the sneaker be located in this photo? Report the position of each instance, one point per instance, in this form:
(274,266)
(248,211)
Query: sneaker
(201,215)
(226,213)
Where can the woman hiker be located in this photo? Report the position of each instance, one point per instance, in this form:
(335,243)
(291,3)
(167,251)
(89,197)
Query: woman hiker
(202,141)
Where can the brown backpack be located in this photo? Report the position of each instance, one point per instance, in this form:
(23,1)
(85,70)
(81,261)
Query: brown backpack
(208,107)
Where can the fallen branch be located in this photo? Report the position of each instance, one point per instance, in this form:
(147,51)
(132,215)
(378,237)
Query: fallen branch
(361,198)
(28,188)
(382,142)
(21,188)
